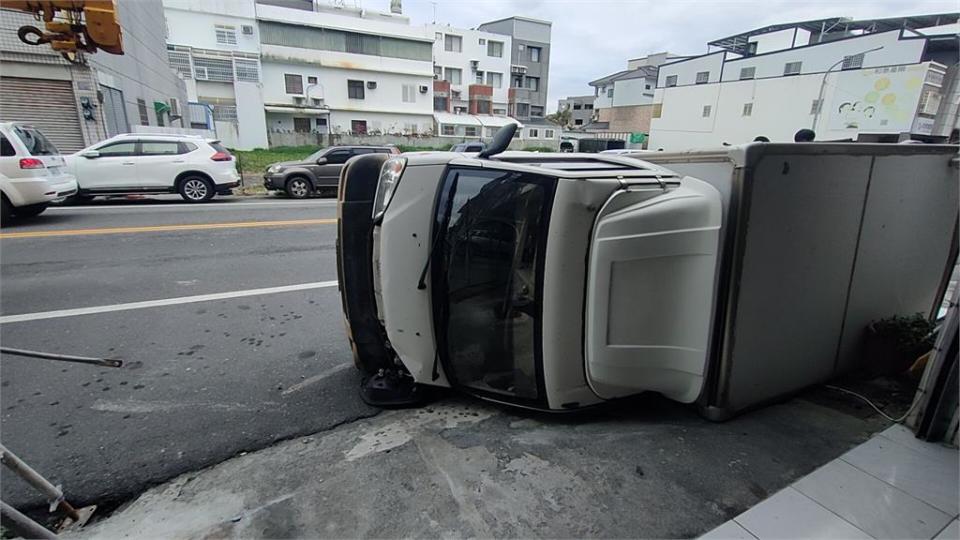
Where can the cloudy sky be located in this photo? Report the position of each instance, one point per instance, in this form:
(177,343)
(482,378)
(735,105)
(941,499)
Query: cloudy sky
(593,38)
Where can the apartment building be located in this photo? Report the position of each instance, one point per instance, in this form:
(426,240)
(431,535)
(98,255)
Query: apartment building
(79,105)
(880,80)
(476,67)
(215,46)
(580,107)
(529,65)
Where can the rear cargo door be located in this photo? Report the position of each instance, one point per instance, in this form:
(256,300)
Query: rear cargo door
(650,292)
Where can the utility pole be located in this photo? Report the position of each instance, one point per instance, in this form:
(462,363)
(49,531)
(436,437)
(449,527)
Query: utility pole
(823,84)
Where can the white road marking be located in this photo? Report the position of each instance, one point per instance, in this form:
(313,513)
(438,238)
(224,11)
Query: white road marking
(315,379)
(177,206)
(24,317)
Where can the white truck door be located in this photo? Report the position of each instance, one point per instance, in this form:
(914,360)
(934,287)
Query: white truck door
(650,292)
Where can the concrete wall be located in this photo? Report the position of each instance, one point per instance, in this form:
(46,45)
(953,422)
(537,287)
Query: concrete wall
(472,50)
(686,70)
(316,139)
(192,22)
(783,105)
(629,92)
(340,122)
(143,71)
(632,119)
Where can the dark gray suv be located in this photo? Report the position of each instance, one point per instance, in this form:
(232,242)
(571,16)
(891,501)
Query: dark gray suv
(317,173)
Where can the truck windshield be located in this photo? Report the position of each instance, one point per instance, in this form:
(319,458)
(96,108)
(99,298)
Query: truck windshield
(493,226)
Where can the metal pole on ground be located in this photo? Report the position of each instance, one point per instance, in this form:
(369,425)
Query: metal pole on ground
(24,525)
(53,493)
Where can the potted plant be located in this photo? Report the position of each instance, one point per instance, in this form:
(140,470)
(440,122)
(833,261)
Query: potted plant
(893,344)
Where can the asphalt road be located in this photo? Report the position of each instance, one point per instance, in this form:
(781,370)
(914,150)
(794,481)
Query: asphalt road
(202,380)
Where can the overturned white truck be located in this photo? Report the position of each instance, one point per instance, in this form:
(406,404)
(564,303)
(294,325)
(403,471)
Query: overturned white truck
(558,281)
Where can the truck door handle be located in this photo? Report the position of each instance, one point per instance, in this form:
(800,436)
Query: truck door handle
(128,163)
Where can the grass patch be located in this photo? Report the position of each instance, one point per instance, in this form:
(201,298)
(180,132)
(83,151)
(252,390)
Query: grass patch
(257,161)
(410,148)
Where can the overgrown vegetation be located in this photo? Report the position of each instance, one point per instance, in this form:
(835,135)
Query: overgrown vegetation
(409,148)
(909,334)
(256,161)
(539,149)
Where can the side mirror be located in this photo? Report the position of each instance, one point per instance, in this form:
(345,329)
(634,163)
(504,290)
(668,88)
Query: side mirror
(321,161)
(91,154)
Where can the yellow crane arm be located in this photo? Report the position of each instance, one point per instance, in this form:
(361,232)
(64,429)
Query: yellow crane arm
(71,26)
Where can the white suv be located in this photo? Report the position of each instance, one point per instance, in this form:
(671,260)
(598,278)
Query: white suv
(195,168)
(32,172)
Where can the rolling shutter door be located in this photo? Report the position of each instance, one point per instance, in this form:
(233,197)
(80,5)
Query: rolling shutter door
(47,104)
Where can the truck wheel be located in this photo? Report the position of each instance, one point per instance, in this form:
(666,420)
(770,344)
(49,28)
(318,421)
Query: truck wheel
(298,188)
(196,189)
(30,210)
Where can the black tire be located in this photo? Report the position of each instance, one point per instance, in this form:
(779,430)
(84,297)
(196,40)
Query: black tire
(298,187)
(6,210)
(195,188)
(30,210)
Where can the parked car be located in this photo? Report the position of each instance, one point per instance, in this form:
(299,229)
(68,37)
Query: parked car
(469,147)
(32,171)
(317,172)
(194,167)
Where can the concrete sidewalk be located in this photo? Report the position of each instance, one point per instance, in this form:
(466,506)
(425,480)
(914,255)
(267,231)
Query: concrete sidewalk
(640,468)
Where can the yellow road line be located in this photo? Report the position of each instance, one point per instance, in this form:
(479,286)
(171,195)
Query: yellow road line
(167,228)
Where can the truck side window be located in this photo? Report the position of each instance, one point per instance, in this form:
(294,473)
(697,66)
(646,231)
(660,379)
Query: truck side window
(340,156)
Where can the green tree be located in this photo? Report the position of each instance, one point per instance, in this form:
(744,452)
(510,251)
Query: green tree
(561,118)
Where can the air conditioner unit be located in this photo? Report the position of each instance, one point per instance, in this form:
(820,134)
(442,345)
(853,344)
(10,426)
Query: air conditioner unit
(423,89)
(474,64)
(316,101)
(371,85)
(299,100)
(436,76)
(246,29)
(200,73)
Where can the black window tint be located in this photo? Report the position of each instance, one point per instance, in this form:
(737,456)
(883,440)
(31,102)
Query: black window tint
(340,156)
(361,151)
(159,148)
(219,147)
(493,237)
(186,147)
(128,148)
(6,149)
(36,143)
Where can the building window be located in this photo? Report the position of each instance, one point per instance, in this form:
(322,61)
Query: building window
(548,134)
(852,62)
(471,131)
(523,109)
(533,84)
(459,110)
(792,68)
(482,41)
(409,93)
(142,108)
(293,83)
(329,39)
(495,79)
(490,131)
(495,49)
(180,61)
(438,36)
(447,129)
(536,110)
(455,94)
(706,111)
(703,77)
(174,107)
(747,109)
(747,73)
(478,77)
(578,122)
(362,44)
(657,110)
(535,53)
(355,89)
(452,43)
(588,106)
(452,75)
(610,93)
(483,107)
(311,80)
(440,103)
(533,133)
(226,35)
(224,112)
(213,69)
(671,81)
(321,123)
(247,70)
(816,106)
(437,72)
(577,106)
(301,125)
(358,127)
(646,87)
(501,112)
(516,81)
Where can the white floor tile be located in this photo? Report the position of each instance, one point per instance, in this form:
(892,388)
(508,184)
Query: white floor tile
(931,480)
(789,514)
(730,530)
(936,452)
(872,505)
(951,532)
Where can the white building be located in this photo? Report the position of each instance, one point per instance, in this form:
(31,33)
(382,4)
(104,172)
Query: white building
(465,57)
(878,80)
(344,70)
(215,46)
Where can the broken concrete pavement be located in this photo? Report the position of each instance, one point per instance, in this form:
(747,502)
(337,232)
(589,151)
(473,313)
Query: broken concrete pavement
(640,468)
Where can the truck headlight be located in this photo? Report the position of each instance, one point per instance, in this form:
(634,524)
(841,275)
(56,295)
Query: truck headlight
(387,184)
